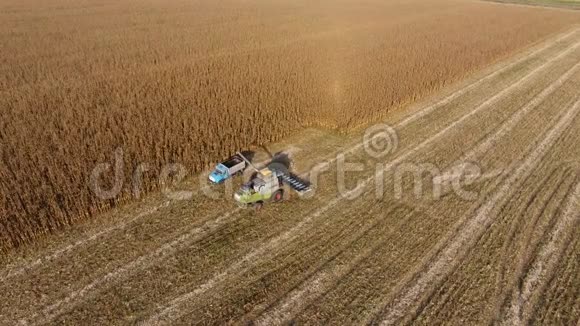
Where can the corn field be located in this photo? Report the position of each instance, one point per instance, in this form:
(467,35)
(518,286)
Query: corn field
(194,81)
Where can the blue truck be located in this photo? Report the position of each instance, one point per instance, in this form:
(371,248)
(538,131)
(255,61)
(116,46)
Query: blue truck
(235,165)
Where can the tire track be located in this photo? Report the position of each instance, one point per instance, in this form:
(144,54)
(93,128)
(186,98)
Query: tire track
(316,284)
(504,284)
(535,280)
(380,222)
(284,311)
(172,310)
(470,281)
(476,275)
(20,269)
(478,272)
(366,286)
(463,238)
(516,118)
(17,269)
(457,285)
(562,292)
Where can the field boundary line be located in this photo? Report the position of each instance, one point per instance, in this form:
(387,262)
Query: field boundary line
(536,278)
(171,310)
(450,255)
(283,313)
(20,268)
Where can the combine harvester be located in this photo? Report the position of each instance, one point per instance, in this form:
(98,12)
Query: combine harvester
(267,184)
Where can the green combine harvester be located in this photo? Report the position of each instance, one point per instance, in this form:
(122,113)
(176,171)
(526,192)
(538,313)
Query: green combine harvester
(268,184)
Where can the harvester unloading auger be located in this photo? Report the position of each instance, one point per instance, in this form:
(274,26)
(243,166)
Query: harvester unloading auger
(267,184)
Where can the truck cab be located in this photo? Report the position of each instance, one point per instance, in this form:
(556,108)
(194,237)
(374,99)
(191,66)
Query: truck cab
(219,174)
(225,170)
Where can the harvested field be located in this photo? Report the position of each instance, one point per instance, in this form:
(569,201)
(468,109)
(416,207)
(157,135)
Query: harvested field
(192,82)
(508,254)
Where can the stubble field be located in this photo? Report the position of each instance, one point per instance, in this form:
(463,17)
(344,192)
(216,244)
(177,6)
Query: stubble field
(192,82)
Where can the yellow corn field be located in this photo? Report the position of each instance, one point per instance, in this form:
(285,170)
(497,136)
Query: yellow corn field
(194,81)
